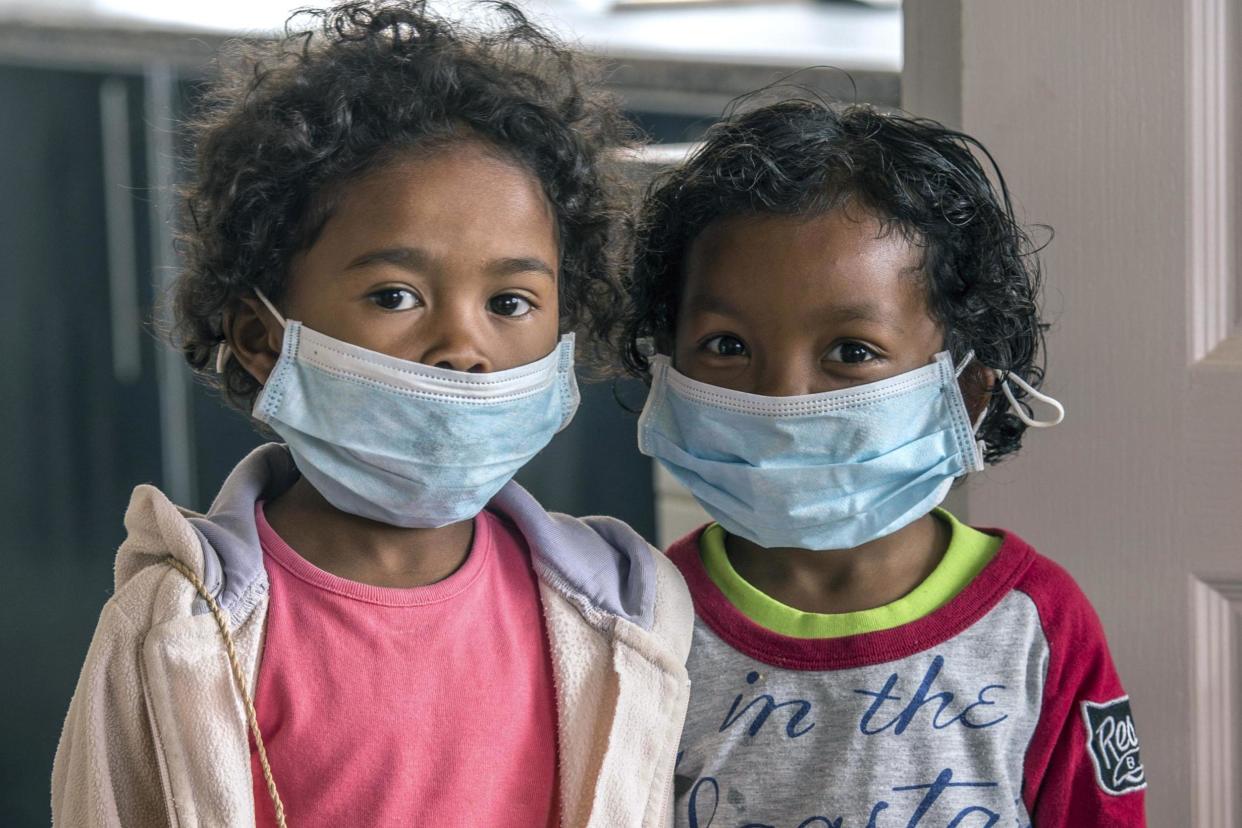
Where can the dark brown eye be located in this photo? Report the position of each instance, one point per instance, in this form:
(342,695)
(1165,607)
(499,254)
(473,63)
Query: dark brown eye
(509,304)
(395,299)
(725,345)
(850,353)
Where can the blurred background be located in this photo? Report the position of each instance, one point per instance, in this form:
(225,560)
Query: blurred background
(1116,122)
(91,95)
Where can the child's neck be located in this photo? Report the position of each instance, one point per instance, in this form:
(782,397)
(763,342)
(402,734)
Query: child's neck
(363,550)
(846,580)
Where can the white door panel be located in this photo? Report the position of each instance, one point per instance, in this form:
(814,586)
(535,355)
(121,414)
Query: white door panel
(1112,122)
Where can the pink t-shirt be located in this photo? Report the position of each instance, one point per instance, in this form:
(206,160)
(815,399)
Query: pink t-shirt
(424,706)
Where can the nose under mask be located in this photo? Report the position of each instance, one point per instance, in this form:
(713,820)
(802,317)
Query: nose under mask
(404,443)
(817,471)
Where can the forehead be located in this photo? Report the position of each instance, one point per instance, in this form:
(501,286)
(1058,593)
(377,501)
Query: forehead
(462,196)
(799,267)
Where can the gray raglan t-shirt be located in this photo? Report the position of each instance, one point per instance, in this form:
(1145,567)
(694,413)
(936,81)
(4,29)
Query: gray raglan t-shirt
(946,721)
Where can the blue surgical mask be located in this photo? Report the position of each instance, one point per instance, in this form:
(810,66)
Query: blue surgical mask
(405,443)
(819,471)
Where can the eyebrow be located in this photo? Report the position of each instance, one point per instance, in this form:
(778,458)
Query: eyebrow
(861,312)
(416,259)
(410,258)
(521,264)
(709,303)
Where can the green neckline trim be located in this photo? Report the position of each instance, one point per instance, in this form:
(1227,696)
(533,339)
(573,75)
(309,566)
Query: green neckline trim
(969,552)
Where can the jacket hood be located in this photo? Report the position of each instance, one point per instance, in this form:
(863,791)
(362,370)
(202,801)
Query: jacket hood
(599,563)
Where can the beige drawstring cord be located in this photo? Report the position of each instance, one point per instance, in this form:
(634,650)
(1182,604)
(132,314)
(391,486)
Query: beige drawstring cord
(240,677)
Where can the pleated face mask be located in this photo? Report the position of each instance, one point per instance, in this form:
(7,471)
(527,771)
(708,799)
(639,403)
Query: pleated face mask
(405,443)
(818,471)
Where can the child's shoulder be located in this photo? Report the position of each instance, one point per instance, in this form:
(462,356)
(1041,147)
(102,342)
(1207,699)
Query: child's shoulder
(1071,628)
(220,549)
(156,531)
(603,566)
(1059,600)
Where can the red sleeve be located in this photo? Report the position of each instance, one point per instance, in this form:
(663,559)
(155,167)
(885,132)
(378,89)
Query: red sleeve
(1082,767)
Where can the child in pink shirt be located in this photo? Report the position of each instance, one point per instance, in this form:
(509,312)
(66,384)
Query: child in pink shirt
(394,226)
(362,685)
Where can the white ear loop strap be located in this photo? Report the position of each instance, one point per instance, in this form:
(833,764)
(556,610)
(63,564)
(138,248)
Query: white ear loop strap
(966,360)
(1014,406)
(223,351)
(1021,412)
(268,304)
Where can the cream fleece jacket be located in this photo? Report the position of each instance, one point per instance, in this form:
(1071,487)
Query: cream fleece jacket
(156,733)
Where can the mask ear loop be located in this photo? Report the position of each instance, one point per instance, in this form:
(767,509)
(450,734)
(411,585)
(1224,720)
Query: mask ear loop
(1020,412)
(268,304)
(966,360)
(224,352)
(1014,406)
(645,347)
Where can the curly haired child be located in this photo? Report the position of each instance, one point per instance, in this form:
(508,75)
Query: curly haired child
(394,227)
(837,313)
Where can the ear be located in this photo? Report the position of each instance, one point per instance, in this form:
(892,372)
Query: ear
(976,383)
(254,336)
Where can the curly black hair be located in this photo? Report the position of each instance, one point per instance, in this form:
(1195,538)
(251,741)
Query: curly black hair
(919,178)
(290,120)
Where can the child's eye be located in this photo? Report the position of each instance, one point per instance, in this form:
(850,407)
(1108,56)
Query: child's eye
(724,345)
(509,304)
(850,353)
(395,299)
